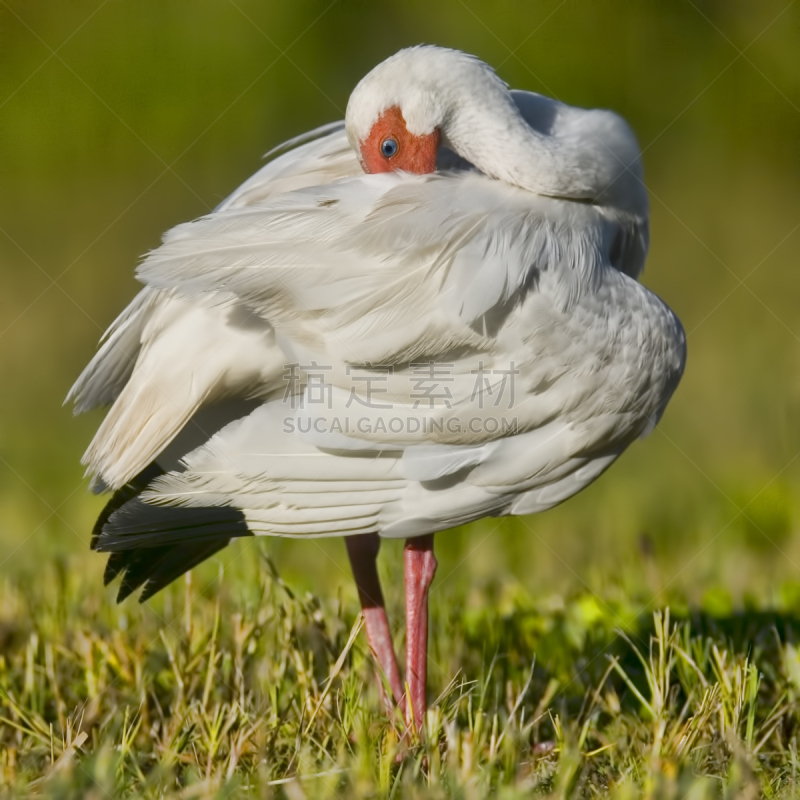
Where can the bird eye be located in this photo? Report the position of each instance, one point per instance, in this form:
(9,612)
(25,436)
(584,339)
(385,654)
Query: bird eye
(389,148)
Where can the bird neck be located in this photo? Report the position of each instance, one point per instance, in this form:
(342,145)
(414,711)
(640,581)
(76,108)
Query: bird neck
(491,133)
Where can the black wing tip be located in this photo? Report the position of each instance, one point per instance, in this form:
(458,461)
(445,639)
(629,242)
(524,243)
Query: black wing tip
(124,593)
(175,561)
(139,525)
(150,546)
(132,489)
(154,568)
(114,565)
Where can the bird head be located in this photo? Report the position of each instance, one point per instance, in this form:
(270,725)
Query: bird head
(396,114)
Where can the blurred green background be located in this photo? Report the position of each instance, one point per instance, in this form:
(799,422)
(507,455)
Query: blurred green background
(119,119)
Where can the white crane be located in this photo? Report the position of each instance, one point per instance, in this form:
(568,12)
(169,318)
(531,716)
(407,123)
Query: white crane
(332,353)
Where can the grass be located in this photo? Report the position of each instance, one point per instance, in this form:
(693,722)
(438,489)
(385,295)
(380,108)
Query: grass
(242,687)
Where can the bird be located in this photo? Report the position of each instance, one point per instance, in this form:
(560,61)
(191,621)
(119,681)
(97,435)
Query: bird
(420,316)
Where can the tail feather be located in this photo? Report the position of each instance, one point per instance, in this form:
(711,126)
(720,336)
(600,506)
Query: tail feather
(153,545)
(111,368)
(142,421)
(157,567)
(124,494)
(138,524)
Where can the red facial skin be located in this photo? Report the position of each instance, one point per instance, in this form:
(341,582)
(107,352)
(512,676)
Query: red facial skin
(415,154)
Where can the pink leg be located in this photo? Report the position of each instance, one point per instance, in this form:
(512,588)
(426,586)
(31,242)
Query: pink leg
(363,552)
(420,567)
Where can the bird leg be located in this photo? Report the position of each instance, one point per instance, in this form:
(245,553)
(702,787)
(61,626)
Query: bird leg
(420,567)
(363,552)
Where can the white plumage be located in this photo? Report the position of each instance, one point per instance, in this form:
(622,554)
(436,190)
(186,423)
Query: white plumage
(519,255)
